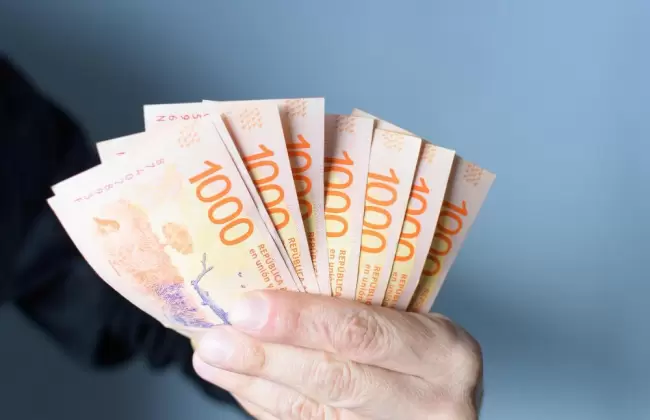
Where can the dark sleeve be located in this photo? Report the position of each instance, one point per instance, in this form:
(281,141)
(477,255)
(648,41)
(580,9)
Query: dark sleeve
(41,271)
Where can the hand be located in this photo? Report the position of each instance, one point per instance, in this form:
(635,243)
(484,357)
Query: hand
(293,355)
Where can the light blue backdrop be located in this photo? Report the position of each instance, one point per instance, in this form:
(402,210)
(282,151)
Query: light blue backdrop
(553,96)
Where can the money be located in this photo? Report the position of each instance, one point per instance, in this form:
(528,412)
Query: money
(162,115)
(108,151)
(172,227)
(467,189)
(77,226)
(303,126)
(114,148)
(393,158)
(427,193)
(347,153)
(258,136)
(217,198)
(156,118)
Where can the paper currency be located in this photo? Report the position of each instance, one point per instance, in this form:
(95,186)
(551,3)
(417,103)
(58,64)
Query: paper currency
(217,198)
(393,159)
(303,120)
(162,115)
(173,228)
(78,227)
(258,135)
(117,147)
(156,118)
(466,191)
(427,194)
(347,153)
(108,150)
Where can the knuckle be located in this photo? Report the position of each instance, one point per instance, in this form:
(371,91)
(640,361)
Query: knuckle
(434,328)
(458,353)
(359,332)
(253,358)
(301,408)
(446,329)
(338,379)
(439,335)
(468,358)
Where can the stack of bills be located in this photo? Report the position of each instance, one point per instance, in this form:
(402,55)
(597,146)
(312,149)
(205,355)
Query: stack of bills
(217,198)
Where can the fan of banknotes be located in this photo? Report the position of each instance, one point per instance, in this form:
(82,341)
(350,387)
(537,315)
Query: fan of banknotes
(217,198)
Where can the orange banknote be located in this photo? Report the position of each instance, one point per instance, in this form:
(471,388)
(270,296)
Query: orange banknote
(347,153)
(257,133)
(466,191)
(303,126)
(393,159)
(172,227)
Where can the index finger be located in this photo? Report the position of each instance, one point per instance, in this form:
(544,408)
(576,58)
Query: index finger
(409,343)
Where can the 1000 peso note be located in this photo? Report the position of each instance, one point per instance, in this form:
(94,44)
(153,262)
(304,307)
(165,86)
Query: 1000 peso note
(258,135)
(109,150)
(393,159)
(427,193)
(466,193)
(160,116)
(467,189)
(173,228)
(303,124)
(347,153)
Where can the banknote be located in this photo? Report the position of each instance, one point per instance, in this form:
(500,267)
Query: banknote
(257,132)
(427,194)
(109,150)
(79,228)
(302,120)
(393,159)
(467,189)
(161,116)
(347,153)
(172,227)
(158,117)
(466,193)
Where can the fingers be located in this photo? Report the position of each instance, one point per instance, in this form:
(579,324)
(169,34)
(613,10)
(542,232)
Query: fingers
(273,399)
(429,346)
(365,390)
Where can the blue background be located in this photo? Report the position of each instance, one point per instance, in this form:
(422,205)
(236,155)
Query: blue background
(553,96)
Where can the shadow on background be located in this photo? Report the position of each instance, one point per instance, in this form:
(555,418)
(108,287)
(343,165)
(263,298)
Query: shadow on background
(552,97)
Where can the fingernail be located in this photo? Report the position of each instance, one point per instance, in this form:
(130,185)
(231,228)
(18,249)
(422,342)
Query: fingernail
(250,312)
(216,347)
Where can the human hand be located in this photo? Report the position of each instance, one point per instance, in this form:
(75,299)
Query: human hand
(299,356)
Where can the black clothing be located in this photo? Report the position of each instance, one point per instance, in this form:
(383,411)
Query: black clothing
(41,271)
